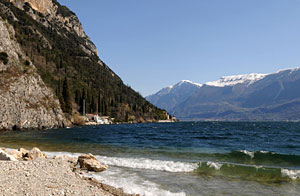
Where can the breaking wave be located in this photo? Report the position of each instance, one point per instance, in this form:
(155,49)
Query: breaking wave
(261,173)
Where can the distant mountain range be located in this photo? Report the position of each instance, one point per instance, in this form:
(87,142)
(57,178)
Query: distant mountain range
(250,97)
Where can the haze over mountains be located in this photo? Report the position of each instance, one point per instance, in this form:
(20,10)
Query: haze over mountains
(256,97)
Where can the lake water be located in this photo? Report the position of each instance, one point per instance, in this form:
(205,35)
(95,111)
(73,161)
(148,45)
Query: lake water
(185,158)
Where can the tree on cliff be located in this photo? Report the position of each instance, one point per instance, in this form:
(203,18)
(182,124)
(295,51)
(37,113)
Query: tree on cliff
(67,95)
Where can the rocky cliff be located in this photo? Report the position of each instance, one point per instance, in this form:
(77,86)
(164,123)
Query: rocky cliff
(25,101)
(42,6)
(44,48)
(51,14)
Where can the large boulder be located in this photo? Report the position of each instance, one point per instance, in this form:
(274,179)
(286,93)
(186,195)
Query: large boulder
(15,153)
(34,153)
(89,162)
(4,156)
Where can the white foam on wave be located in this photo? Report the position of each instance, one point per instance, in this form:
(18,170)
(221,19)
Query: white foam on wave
(53,154)
(131,183)
(144,163)
(138,163)
(252,154)
(293,174)
(216,166)
(264,152)
(249,153)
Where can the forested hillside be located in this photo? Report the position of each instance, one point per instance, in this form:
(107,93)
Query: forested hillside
(68,63)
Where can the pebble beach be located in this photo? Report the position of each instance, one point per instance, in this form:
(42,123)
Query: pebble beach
(57,176)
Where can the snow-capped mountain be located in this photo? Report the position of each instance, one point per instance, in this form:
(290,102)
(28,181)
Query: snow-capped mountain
(168,97)
(237,79)
(274,96)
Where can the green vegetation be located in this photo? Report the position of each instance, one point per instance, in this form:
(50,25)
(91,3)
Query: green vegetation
(63,10)
(4,57)
(67,96)
(61,60)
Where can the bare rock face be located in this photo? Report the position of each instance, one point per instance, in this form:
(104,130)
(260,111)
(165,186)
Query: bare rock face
(55,15)
(90,163)
(8,45)
(25,101)
(42,6)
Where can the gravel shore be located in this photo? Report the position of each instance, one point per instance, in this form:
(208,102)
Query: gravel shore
(48,177)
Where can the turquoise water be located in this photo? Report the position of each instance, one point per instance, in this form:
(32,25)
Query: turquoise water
(186,158)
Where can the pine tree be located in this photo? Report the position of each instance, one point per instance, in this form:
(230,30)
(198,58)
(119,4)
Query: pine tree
(99,104)
(67,95)
(94,105)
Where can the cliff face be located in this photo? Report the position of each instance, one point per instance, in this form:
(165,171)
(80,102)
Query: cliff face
(25,101)
(42,6)
(51,14)
(44,45)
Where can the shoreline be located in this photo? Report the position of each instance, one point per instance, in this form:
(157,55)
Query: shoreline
(83,125)
(59,176)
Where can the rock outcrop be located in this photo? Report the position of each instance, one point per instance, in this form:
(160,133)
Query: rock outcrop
(90,163)
(42,6)
(56,16)
(25,101)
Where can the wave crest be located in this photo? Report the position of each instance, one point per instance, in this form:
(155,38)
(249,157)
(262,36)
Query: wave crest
(143,163)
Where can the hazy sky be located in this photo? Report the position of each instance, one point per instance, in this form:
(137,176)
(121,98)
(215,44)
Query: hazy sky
(152,44)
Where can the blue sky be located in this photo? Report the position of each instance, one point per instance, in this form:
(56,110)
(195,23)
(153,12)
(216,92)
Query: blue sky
(152,44)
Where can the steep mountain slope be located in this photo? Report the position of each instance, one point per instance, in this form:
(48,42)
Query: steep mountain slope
(52,38)
(170,96)
(273,96)
(25,101)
